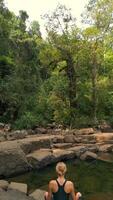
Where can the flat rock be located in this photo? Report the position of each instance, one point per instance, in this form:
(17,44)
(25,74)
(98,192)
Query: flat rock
(13,195)
(21,187)
(40,158)
(38,194)
(31,144)
(60,154)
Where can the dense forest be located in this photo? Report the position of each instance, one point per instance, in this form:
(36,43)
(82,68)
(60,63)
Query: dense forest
(66,78)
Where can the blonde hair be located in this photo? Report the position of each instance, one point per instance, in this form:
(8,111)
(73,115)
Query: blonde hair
(61,168)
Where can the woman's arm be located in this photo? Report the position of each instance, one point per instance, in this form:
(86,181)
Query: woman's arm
(73,192)
(75,195)
(49,197)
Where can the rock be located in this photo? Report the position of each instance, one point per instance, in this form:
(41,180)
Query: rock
(38,194)
(88,139)
(93,148)
(69,138)
(2,138)
(7,127)
(13,195)
(78,150)
(51,126)
(4,184)
(107,157)
(30,132)
(78,139)
(15,135)
(40,158)
(105,147)
(21,187)
(58,139)
(40,131)
(2,126)
(88,156)
(60,154)
(62,145)
(12,159)
(86,131)
(105,127)
(104,137)
(57,131)
(31,144)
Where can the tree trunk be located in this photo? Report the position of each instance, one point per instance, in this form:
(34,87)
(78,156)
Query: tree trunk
(94,89)
(72,82)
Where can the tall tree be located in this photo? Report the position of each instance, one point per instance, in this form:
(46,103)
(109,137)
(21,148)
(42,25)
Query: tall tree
(60,25)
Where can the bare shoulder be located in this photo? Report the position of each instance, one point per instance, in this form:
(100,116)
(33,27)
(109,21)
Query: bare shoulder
(70,183)
(52,182)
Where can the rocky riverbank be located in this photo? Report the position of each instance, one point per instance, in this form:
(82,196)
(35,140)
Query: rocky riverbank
(35,151)
(18,191)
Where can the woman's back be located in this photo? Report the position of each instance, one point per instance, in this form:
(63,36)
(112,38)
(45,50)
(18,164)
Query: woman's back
(60,192)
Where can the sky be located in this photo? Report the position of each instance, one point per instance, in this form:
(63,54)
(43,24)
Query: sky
(36,8)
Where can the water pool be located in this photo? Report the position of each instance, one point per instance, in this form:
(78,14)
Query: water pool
(93,179)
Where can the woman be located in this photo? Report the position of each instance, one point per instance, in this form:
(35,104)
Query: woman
(61,189)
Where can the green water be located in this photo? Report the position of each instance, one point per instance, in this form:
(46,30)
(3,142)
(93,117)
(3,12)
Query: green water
(93,179)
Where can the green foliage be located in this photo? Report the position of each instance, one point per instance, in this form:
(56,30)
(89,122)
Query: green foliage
(66,78)
(27,120)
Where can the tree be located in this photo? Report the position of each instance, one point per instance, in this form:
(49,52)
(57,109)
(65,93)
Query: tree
(60,26)
(99,17)
(35,29)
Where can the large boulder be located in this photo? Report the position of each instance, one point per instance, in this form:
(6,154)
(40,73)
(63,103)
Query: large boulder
(12,159)
(31,144)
